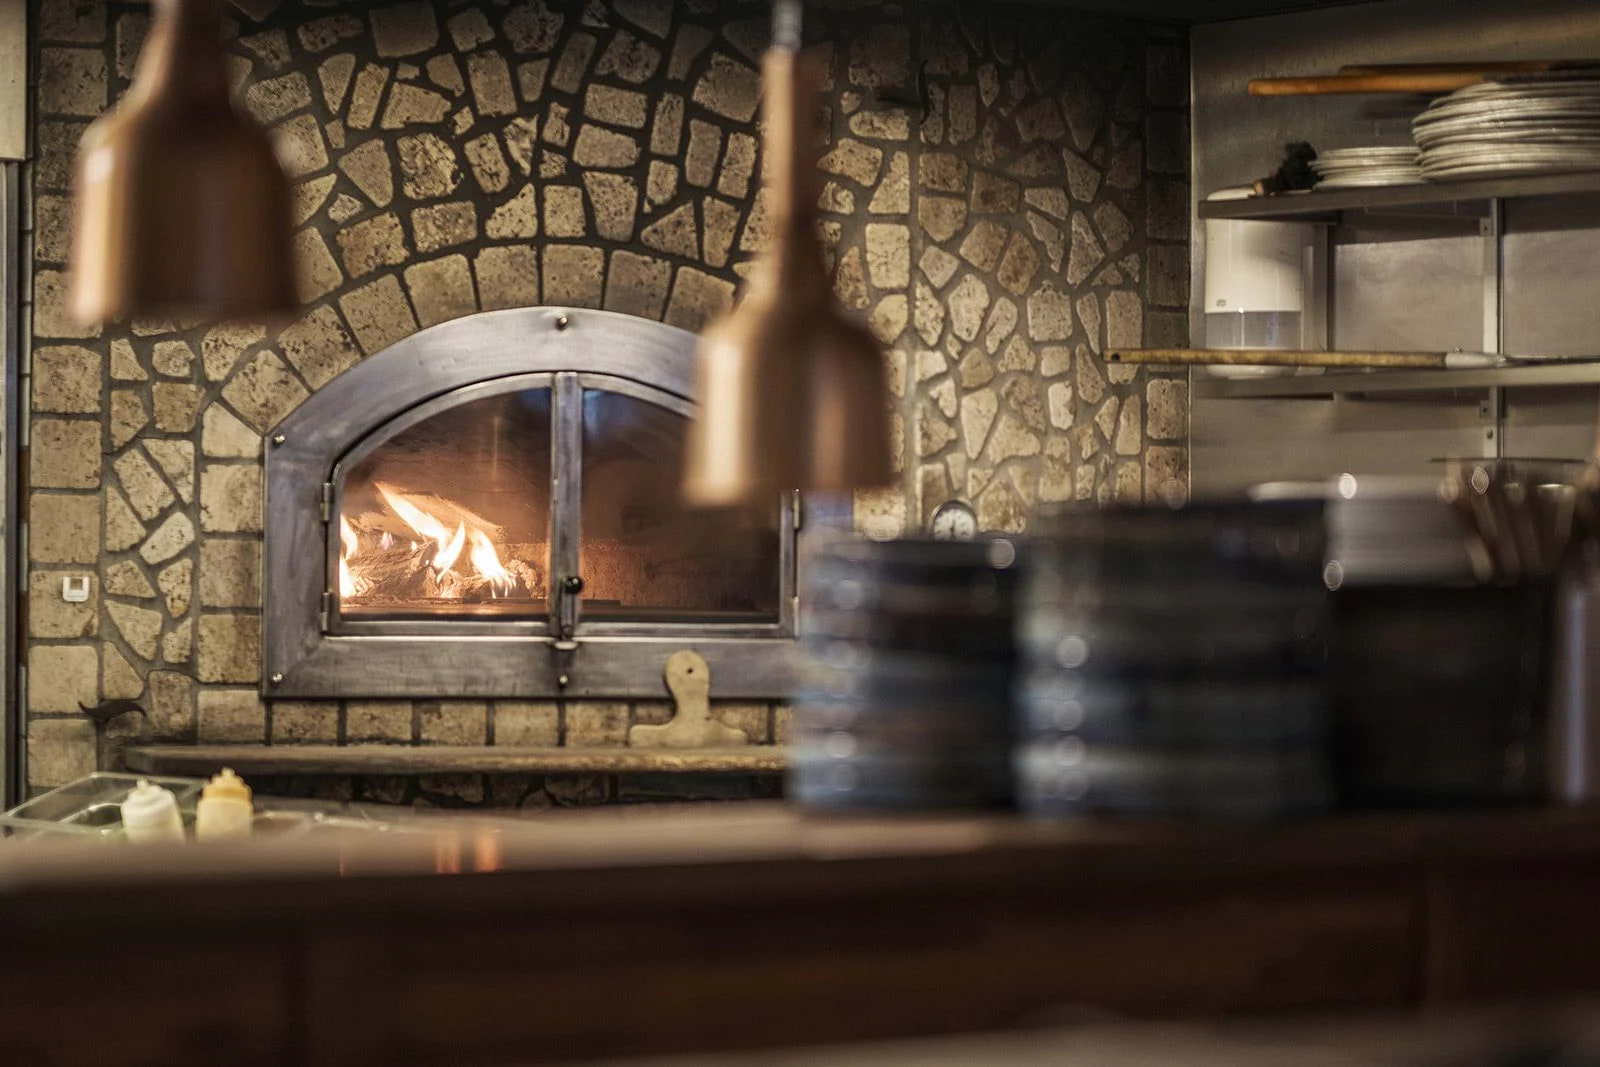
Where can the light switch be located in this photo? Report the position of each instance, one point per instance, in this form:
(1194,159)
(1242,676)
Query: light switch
(75,588)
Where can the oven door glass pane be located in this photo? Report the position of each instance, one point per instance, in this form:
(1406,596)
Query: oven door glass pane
(451,517)
(644,556)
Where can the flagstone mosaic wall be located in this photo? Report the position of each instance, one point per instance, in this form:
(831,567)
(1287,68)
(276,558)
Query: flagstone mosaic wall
(1004,196)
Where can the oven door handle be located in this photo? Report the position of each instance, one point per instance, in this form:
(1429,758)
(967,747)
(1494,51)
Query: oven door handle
(567,592)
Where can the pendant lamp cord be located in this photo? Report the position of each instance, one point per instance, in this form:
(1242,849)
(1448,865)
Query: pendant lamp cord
(786,16)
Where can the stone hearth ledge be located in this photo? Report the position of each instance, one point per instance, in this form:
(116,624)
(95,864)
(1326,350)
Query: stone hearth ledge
(450,759)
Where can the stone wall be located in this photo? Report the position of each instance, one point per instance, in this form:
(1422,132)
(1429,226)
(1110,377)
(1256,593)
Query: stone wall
(1004,196)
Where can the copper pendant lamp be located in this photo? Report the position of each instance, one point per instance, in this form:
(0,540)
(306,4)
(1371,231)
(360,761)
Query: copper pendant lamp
(792,390)
(181,208)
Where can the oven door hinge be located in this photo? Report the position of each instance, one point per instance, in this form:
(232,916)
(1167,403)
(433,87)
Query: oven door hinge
(325,613)
(327,501)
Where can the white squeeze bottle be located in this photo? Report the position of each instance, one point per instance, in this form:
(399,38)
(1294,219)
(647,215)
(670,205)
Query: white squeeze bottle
(225,809)
(150,815)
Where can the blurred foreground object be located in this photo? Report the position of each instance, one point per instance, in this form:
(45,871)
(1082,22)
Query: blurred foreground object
(791,389)
(182,209)
(1175,663)
(907,700)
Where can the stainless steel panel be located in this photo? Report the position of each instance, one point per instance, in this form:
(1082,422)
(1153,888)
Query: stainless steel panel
(1552,276)
(1238,443)
(1559,423)
(1407,285)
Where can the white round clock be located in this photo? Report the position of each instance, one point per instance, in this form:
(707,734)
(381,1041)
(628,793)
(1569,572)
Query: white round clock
(954,520)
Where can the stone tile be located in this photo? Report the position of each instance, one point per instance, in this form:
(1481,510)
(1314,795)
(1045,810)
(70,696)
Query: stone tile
(146,490)
(52,228)
(64,454)
(738,164)
(614,199)
(300,145)
(228,649)
(705,145)
(317,272)
(404,29)
(333,75)
(66,378)
(966,304)
(1166,474)
(1167,403)
(728,88)
(1168,277)
(368,165)
(372,244)
(230,573)
(230,498)
(1019,265)
(177,587)
(453,722)
(526,723)
(441,289)
(977,416)
(490,78)
(271,99)
(675,233)
(1124,320)
(176,460)
(176,405)
(445,72)
(119,679)
(666,132)
(80,21)
(888,255)
(574,275)
(139,627)
(596,723)
(517,217)
(532,27)
(318,346)
(563,211)
(1049,313)
(984,244)
(321,34)
(365,96)
(637,285)
(378,721)
(126,579)
(567,75)
(507,277)
(893,195)
(719,219)
(50,315)
(305,722)
(174,359)
(60,751)
(444,225)
(941,217)
(222,435)
(379,313)
(51,616)
(616,107)
(175,534)
(629,58)
(697,298)
(851,159)
(264,391)
(1167,210)
(599,147)
(231,716)
(71,81)
(125,366)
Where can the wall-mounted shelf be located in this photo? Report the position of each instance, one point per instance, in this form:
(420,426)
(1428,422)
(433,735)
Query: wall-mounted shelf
(1347,383)
(451,759)
(1447,197)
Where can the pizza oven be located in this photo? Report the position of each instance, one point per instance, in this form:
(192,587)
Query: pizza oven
(490,508)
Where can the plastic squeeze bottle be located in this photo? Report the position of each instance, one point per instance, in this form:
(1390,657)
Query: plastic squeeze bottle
(150,815)
(225,809)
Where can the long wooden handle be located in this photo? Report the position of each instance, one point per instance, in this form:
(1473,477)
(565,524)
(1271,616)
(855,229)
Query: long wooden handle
(1447,82)
(1275,357)
(1502,66)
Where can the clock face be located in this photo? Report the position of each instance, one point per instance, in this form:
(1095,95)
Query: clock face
(953,521)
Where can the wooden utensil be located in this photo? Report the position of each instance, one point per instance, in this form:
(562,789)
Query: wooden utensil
(1287,358)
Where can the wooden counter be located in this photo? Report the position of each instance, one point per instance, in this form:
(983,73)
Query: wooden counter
(616,932)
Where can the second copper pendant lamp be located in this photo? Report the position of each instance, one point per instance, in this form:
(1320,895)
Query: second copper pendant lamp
(792,390)
(181,207)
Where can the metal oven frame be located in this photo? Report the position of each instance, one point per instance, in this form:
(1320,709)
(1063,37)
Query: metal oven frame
(309,652)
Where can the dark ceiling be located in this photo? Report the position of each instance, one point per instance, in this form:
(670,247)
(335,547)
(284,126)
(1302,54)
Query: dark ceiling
(1195,10)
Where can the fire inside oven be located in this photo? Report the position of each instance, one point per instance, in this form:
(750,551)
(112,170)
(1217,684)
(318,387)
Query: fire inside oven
(457,514)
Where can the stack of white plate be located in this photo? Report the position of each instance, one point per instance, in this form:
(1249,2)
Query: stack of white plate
(1537,124)
(1354,168)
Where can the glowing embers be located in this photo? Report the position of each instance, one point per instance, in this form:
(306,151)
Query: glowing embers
(421,548)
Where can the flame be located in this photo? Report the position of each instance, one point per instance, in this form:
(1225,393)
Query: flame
(448,545)
(349,543)
(484,558)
